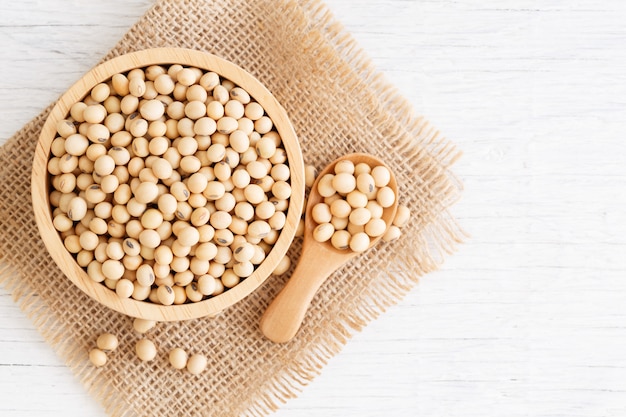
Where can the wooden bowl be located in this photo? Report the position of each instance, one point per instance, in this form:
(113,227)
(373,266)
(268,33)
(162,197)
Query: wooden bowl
(40,187)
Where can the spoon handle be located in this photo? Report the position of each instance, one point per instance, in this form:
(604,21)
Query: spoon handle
(283,317)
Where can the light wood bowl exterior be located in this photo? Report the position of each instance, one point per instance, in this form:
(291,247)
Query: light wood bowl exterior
(40,186)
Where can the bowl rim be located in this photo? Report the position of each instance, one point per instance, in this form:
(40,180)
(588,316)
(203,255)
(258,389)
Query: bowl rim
(40,183)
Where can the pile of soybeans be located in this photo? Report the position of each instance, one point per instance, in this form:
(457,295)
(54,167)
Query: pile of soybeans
(169,184)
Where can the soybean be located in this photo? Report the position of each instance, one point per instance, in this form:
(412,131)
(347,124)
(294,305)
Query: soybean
(178,358)
(196,364)
(145,350)
(107,342)
(97,357)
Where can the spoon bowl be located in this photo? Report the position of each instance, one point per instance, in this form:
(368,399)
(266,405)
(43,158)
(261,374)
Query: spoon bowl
(283,318)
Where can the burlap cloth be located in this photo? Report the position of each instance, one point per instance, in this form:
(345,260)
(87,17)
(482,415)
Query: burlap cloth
(338,104)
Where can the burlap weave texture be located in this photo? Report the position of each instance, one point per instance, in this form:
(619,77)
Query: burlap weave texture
(338,104)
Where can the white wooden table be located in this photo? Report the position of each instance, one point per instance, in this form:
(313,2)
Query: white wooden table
(529,317)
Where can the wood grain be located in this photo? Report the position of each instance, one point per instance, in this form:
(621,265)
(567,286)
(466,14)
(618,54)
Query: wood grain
(527,318)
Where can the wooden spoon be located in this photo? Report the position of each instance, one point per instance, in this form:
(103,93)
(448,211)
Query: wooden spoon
(318,261)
